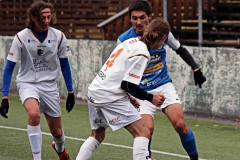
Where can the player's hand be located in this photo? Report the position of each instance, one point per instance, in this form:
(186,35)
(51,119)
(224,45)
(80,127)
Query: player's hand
(70,102)
(158,99)
(4,108)
(134,102)
(199,78)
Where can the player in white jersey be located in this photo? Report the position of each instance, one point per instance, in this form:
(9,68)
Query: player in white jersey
(42,52)
(108,101)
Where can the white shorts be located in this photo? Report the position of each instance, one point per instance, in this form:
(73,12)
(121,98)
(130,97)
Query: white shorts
(117,114)
(46,93)
(168,90)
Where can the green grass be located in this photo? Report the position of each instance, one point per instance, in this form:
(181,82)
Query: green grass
(215,141)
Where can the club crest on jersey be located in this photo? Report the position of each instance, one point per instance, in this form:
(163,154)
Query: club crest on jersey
(40,52)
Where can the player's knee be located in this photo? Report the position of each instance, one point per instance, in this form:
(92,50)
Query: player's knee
(57,133)
(34,118)
(99,134)
(145,133)
(181,127)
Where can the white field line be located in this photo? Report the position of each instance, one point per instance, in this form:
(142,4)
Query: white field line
(107,144)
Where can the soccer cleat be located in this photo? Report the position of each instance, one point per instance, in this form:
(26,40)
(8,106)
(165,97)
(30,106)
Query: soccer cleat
(62,156)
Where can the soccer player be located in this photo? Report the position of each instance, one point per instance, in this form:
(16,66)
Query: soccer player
(108,102)
(42,51)
(157,80)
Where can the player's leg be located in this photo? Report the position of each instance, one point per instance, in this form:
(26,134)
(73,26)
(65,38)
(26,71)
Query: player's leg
(173,109)
(30,100)
(88,147)
(50,106)
(121,114)
(147,111)
(174,113)
(98,127)
(141,139)
(149,123)
(34,131)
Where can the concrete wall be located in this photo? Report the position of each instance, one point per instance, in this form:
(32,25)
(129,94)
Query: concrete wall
(219,96)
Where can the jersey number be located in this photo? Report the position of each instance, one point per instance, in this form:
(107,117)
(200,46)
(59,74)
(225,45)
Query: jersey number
(111,60)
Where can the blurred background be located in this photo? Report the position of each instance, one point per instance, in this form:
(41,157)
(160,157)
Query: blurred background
(210,23)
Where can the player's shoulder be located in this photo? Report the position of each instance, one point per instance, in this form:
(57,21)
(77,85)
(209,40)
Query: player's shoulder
(24,32)
(130,33)
(54,30)
(135,44)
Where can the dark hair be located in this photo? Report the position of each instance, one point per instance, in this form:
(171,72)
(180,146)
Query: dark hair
(154,32)
(140,5)
(35,11)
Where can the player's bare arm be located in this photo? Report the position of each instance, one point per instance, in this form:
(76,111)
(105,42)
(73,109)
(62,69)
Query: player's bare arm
(134,102)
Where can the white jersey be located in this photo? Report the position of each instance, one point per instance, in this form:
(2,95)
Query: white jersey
(39,61)
(127,62)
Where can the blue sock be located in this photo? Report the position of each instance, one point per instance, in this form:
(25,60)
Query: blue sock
(189,144)
(149,144)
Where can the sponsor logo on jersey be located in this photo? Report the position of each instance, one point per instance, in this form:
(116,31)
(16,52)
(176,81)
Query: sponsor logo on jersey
(101,75)
(133,75)
(156,57)
(115,120)
(144,81)
(98,121)
(152,73)
(137,66)
(154,68)
(52,41)
(40,52)
(31,41)
(10,53)
(41,46)
(151,83)
(40,65)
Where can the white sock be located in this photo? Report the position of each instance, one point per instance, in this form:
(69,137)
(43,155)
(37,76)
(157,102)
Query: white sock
(35,139)
(140,148)
(59,143)
(87,149)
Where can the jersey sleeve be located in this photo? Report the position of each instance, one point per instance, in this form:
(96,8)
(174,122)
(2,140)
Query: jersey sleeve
(14,54)
(63,48)
(136,66)
(172,42)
